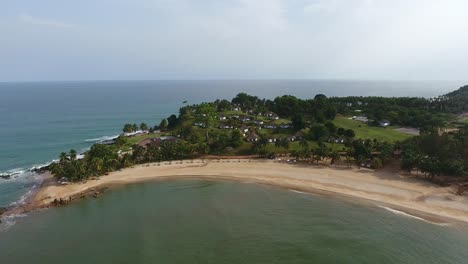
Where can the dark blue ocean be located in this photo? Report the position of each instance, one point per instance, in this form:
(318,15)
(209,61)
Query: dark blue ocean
(38,120)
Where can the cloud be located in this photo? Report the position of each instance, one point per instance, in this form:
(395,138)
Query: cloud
(26,18)
(168,39)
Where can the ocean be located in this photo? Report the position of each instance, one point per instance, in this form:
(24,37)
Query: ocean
(190,221)
(197,221)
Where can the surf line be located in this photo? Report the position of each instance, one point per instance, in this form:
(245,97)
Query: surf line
(397,212)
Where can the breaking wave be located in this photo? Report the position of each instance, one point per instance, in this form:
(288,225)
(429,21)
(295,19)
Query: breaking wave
(296,191)
(397,212)
(101,139)
(9,220)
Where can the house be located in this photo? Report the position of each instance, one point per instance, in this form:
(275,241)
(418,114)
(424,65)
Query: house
(361,119)
(285,126)
(339,140)
(224,127)
(244,118)
(252,138)
(258,122)
(441,131)
(384,123)
(199,124)
(155,141)
(270,126)
(271,140)
(299,135)
(291,138)
(271,116)
(221,117)
(244,130)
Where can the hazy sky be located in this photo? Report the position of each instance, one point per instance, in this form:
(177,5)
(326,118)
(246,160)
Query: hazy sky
(216,39)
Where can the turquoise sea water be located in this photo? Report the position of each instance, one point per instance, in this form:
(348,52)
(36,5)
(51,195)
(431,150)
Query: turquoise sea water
(225,222)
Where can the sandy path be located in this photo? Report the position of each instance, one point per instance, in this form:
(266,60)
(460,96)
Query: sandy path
(384,188)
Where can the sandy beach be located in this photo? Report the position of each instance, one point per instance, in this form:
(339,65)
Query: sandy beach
(382,188)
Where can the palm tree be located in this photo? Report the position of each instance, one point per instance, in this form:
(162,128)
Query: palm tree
(96,166)
(73,154)
(63,157)
(143,126)
(126,160)
(127,128)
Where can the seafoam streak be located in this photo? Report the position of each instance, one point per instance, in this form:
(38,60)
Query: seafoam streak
(100,139)
(296,191)
(397,212)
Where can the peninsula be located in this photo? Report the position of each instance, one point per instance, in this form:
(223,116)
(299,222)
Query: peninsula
(408,153)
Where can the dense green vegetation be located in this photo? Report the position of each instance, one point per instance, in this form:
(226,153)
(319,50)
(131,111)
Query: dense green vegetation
(434,154)
(312,130)
(453,102)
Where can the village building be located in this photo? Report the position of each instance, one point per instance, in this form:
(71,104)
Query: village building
(361,119)
(258,122)
(252,138)
(199,124)
(299,135)
(270,126)
(155,141)
(384,123)
(244,118)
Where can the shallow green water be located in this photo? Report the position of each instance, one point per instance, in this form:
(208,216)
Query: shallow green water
(224,222)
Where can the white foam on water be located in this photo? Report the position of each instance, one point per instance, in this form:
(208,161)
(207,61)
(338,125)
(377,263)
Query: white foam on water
(100,139)
(13,172)
(23,199)
(296,191)
(397,212)
(9,220)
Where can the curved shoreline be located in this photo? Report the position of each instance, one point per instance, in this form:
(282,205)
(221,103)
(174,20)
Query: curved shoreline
(382,188)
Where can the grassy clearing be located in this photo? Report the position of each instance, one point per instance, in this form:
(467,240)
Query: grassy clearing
(368,132)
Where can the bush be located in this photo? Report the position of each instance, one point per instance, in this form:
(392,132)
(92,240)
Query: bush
(376,164)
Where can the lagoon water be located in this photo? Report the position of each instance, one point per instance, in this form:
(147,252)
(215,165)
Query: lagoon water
(225,222)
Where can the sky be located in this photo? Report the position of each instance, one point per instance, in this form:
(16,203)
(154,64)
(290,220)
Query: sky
(53,40)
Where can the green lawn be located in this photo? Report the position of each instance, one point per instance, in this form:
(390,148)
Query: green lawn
(368,132)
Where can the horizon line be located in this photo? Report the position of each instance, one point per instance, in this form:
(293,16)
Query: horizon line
(234,79)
